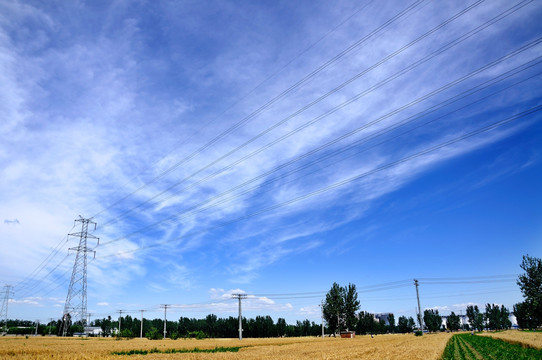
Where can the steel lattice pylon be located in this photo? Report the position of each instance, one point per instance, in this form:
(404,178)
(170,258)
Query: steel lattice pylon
(76,301)
(4,309)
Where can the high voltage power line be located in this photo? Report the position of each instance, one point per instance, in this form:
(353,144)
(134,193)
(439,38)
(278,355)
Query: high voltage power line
(455,98)
(333,186)
(275,99)
(417,63)
(339,56)
(333,91)
(47,259)
(209,305)
(26,283)
(236,102)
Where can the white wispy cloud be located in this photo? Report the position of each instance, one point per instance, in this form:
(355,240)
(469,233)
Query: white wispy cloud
(99,118)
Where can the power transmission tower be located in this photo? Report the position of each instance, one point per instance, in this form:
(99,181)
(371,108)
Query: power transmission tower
(76,300)
(4,311)
(240,296)
(419,307)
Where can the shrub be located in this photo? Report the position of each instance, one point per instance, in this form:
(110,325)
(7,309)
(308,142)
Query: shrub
(153,334)
(197,334)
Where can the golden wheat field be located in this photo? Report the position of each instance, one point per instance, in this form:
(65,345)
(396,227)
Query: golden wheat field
(362,347)
(530,339)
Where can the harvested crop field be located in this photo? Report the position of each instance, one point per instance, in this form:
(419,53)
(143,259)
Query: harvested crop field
(524,338)
(362,347)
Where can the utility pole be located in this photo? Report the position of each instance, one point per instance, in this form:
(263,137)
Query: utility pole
(165,306)
(419,307)
(37,326)
(239,297)
(141,330)
(4,311)
(120,320)
(88,323)
(76,300)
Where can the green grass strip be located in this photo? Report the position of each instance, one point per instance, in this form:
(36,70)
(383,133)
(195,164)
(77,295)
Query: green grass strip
(178,351)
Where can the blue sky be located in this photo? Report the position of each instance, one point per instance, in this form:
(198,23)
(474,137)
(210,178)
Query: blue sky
(269,148)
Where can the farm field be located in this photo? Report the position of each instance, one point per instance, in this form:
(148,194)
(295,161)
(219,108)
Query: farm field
(468,347)
(362,347)
(530,339)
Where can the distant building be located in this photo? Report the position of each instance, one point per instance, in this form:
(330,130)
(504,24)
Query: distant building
(464,320)
(348,334)
(384,316)
(93,330)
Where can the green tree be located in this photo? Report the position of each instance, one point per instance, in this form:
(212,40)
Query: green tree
(153,334)
(211,324)
(476,318)
(381,326)
(366,323)
(281,327)
(403,325)
(453,323)
(432,320)
(391,320)
(530,284)
(351,306)
(497,317)
(334,307)
(523,316)
(411,323)
(340,307)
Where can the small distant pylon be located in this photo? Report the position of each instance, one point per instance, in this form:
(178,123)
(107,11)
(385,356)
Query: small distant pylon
(76,301)
(4,310)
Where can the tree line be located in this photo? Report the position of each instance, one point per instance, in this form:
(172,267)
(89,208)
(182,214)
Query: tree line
(212,326)
(341,310)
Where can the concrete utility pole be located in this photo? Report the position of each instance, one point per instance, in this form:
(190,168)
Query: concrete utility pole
(76,300)
(4,311)
(88,323)
(419,307)
(239,297)
(165,306)
(141,330)
(120,320)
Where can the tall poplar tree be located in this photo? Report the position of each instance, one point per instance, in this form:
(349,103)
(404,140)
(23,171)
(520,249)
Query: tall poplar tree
(334,307)
(530,284)
(340,307)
